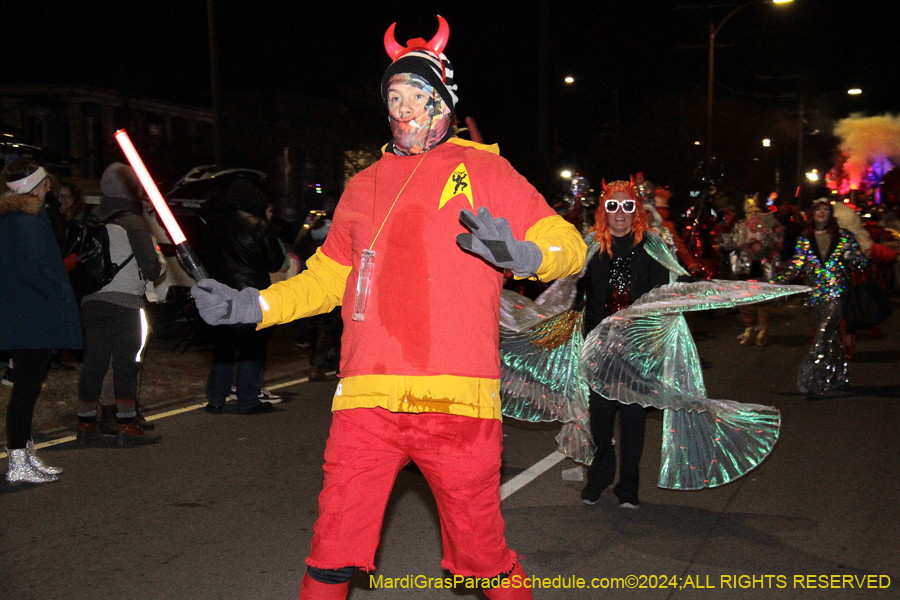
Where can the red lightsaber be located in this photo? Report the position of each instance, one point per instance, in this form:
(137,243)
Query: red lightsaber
(185,254)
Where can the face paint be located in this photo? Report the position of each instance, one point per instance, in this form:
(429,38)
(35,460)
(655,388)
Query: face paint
(422,130)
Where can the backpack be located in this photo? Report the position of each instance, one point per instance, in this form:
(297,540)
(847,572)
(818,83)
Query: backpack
(89,242)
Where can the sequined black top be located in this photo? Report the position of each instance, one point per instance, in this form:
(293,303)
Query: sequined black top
(613,283)
(618,294)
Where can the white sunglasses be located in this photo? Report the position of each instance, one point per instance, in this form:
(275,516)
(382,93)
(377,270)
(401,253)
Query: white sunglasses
(627,206)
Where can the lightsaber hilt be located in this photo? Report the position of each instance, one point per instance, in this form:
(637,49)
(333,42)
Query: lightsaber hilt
(190,261)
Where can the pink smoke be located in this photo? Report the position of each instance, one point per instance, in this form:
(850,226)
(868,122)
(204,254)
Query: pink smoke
(867,141)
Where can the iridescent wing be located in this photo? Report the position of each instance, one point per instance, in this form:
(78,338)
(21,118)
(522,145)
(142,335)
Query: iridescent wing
(645,354)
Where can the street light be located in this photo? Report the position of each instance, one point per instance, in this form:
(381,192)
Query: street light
(713,32)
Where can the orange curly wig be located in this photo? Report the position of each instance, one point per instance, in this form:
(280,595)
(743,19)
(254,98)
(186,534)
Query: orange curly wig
(601,225)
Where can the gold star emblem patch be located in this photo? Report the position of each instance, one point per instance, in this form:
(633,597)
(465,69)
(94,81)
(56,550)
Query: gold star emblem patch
(457,184)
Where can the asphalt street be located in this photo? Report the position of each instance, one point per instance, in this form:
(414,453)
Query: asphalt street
(224,506)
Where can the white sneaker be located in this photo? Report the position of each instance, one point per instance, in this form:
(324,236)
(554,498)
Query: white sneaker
(7,376)
(263,396)
(267,396)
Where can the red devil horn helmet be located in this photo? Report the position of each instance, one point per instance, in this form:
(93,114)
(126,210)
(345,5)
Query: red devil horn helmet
(436,45)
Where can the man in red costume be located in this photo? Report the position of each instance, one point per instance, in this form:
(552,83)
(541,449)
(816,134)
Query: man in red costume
(420,293)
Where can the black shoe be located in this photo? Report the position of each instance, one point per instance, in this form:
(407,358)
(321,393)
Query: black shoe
(59,366)
(259,408)
(213,409)
(590,496)
(631,503)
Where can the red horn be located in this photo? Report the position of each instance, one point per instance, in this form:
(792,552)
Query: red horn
(603,185)
(632,180)
(390,43)
(439,41)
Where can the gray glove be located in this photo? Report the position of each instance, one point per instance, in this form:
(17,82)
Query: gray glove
(492,240)
(219,304)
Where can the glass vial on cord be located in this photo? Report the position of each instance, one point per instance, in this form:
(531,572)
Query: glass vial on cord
(363,283)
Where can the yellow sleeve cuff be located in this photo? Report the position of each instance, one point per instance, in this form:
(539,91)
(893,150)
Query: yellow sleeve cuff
(316,290)
(561,245)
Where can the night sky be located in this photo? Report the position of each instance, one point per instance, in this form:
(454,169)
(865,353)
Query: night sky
(623,53)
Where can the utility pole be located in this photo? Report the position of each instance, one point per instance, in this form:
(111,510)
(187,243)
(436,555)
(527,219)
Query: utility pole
(800,123)
(545,143)
(214,81)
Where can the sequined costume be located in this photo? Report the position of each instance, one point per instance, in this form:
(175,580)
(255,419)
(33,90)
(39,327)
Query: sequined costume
(827,272)
(642,354)
(757,243)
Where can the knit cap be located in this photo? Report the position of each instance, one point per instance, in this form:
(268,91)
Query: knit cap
(433,67)
(120,181)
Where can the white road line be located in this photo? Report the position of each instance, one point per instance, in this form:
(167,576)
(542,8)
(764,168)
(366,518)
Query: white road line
(177,411)
(278,386)
(530,474)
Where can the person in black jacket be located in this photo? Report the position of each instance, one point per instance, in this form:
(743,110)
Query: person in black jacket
(240,250)
(38,311)
(619,273)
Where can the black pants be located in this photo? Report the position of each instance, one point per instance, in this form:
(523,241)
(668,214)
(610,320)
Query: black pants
(239,359)
(632,419)
(113,331)
(31,368)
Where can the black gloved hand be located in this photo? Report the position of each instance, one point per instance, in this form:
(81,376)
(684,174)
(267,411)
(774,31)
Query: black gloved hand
(219,304)
(492,240)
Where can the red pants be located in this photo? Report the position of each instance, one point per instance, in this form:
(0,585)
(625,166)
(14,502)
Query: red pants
(460,459)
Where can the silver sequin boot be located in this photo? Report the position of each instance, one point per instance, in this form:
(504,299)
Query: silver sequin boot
(22,471)
(38,463)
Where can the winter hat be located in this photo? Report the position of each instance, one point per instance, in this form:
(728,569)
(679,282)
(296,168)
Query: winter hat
(424,59)
(120,181)
(245,196)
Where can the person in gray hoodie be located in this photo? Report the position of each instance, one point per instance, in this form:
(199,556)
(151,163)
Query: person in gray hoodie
(115,322)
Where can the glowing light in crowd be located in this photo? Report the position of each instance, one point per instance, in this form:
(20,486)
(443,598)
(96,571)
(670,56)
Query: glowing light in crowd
(162,209)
